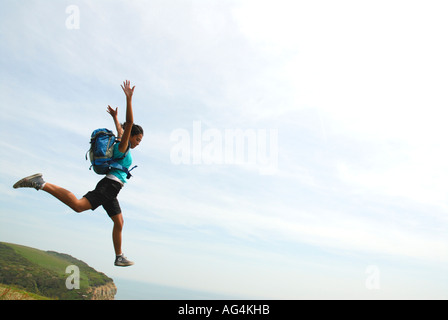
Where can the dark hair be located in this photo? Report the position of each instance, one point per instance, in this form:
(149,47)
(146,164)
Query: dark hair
(136,129)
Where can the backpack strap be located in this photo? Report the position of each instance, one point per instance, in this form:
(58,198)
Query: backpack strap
(116,165)
(129,172)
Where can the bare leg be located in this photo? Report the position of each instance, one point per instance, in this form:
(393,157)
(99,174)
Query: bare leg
(120,260)
(78,205)
(116,232)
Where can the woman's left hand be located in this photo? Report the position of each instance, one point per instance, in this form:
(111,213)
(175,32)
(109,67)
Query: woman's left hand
(128,91)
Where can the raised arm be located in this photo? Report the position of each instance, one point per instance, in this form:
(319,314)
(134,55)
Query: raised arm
(114,114)
(128,91)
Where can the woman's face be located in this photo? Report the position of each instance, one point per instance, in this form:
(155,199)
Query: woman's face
(135,140)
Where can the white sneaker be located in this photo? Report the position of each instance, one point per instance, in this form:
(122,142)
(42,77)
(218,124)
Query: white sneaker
(34,181)
(122,261)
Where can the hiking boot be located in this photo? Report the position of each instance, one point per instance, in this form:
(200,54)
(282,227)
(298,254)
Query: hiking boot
(35,181)
(122,261)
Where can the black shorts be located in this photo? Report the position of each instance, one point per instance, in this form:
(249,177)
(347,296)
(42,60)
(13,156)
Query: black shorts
(105,194)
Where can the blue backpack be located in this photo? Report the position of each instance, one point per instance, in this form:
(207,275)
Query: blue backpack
(101,152)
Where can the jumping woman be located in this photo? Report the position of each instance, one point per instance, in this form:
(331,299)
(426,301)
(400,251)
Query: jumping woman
(107,189)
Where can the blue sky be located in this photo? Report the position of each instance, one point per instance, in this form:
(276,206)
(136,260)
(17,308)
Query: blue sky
(355,90)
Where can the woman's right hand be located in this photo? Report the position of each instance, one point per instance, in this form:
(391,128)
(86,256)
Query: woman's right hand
(112,112)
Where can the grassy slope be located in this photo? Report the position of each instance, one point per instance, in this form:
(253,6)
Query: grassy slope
(12,293)
(39,257)
(48,261)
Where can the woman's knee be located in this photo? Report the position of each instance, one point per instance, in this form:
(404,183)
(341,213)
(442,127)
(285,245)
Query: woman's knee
(118,221)
(77,208)
(81,205)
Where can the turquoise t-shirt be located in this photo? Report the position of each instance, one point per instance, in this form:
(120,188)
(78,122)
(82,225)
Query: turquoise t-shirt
(125,162)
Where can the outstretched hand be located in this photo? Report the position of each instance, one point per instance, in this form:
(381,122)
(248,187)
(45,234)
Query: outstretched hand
(112,112)
(128,91)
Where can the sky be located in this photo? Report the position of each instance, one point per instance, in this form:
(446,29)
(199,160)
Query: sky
(292,149)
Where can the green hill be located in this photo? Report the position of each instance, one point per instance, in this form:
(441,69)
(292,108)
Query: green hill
(43,273)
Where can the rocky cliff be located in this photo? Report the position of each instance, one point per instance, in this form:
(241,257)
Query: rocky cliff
(104,292)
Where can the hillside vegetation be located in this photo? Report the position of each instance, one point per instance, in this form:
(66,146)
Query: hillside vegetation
(12,293)
(43,273)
